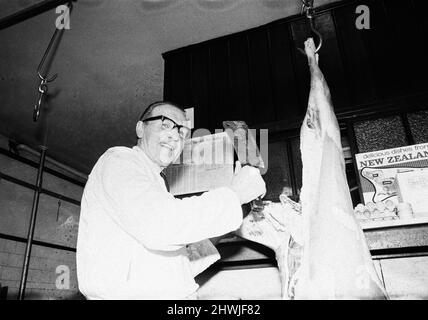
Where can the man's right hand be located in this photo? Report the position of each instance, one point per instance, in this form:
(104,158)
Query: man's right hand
(247,183)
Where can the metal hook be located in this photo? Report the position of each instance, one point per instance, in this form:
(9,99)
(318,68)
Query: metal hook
(43,89)
(48,49)
(308,8)
(42,62)
(315,31)
(44,80)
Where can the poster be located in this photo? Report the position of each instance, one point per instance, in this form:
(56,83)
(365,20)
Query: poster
(377,170)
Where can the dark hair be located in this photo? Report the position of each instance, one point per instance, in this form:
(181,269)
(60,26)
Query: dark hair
(156,104)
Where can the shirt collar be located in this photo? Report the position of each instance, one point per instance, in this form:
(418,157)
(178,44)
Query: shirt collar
(142,155)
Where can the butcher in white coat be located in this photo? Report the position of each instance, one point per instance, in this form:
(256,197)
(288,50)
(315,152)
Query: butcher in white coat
(134,236)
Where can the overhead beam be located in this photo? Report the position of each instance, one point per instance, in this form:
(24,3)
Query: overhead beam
(30,12)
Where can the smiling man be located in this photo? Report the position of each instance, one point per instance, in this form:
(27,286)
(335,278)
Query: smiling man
(162,146)
(133,233)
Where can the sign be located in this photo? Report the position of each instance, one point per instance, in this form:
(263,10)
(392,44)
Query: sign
(378,170)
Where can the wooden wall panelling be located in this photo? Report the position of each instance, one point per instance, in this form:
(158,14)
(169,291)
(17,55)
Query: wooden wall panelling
(285,96)
(167,77)
(379,41)
(199,83)
(330,61)
(352,140)
(261,93)
(240,102)
(364,68)
(277,176)
(177,69)
(420,8)
(354,56)
(219,88)
(413,31)
(300,31)
(410,63)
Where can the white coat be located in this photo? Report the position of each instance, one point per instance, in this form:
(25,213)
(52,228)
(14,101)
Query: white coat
(133,233)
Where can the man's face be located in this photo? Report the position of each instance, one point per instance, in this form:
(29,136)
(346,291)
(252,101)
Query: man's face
(162,146)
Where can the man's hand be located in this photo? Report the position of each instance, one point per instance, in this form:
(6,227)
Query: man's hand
(247,183)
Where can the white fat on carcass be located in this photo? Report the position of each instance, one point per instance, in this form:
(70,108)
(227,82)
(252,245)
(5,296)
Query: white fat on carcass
(336,262)
(320,248)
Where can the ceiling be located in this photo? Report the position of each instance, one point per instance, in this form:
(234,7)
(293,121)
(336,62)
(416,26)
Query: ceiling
(109,66)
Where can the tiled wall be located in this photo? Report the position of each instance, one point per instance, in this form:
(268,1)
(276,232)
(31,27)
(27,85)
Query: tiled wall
(42,274)
(52,226)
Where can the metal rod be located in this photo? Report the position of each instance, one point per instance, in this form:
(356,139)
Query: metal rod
(30,12)
(30,236)
(47,52)
(44,78)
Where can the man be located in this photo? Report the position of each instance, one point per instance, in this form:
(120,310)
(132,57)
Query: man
(133,232)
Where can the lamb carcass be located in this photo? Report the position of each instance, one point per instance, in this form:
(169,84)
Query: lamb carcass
(336,261)
(320,248)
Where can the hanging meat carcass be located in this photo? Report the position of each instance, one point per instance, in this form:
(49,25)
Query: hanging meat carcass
(335,261)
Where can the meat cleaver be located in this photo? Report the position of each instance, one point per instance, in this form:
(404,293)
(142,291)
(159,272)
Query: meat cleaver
(245,146)
(244,143)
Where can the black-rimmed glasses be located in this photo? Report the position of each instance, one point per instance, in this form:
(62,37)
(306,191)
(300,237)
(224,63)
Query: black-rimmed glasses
(169,125)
